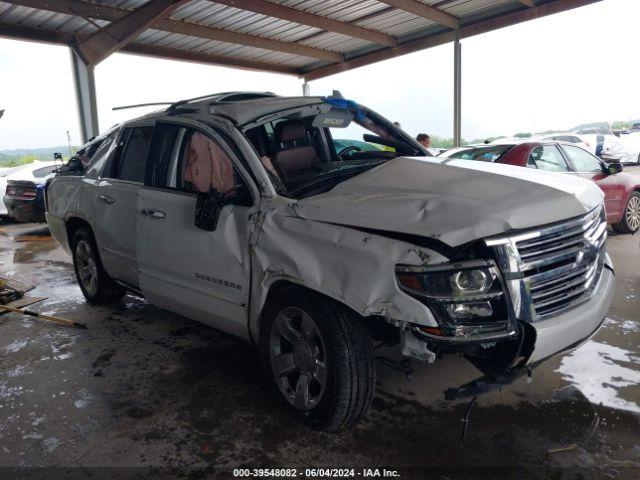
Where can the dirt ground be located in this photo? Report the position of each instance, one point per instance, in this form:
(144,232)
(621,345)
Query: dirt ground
(165,396)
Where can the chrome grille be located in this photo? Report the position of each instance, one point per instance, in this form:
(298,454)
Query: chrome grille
(553,269)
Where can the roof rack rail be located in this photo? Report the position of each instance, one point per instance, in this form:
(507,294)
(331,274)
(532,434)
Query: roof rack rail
(237,96)
(222,97)
(141,105)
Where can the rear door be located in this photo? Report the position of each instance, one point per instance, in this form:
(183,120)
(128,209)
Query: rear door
(201,274)
(116,204)
(589,167)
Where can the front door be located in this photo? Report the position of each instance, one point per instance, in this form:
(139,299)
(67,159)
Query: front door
(589,167)
(200,274)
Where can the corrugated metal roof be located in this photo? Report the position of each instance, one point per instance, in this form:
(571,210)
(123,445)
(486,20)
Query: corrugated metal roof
(299,41)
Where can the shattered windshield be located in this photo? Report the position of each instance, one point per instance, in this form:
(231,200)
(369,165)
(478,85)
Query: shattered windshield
(308,152)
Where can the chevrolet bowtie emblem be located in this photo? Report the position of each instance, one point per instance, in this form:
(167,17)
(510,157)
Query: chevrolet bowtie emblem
(587,255)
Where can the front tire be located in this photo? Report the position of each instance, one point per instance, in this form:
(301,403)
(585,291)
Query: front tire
(630,222)
(319,358)
(96,285)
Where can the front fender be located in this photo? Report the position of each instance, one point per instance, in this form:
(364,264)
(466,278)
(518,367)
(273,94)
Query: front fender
(353,267)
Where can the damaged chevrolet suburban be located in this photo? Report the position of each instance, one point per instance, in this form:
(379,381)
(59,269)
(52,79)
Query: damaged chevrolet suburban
(238,210)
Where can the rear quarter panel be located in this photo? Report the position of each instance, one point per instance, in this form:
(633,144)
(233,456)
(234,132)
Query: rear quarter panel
(68,197)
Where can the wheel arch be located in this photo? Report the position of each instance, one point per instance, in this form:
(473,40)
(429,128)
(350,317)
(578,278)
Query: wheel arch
(619,226)
(633,189)
(73,224)
(378,327)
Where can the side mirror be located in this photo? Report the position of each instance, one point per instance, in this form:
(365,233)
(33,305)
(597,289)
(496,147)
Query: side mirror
(614,168)
(208,207)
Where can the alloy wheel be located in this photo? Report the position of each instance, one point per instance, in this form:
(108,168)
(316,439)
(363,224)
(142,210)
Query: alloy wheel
(298,358)
(87,267)
(633,213)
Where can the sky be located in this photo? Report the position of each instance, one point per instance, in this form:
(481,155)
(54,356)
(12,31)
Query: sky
(550,73)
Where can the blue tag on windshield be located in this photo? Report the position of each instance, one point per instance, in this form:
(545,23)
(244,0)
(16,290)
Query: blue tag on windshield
(349,105)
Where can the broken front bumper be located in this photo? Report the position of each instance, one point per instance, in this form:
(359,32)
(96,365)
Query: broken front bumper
(553,336)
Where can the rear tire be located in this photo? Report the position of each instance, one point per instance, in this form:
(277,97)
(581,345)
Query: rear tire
(96,285)
(318,356)
(630,222)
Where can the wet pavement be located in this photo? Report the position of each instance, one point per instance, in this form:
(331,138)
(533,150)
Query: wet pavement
(145,388)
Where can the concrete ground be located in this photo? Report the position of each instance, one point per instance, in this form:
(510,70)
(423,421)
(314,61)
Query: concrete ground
(148,389)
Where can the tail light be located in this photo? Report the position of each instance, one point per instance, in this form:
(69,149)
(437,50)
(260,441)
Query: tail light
(25,192)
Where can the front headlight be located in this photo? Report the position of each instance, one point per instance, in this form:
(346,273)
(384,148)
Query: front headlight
(467,298)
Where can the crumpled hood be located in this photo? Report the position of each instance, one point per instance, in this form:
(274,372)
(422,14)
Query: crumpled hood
(454,201)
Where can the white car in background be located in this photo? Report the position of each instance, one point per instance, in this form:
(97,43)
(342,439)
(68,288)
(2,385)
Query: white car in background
(36,172)
(608,147)
(632,141)
(565,137)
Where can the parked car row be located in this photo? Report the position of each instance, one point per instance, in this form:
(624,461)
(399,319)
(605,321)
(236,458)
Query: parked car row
(621,189)
(601,142)
(22,191)
(240,211)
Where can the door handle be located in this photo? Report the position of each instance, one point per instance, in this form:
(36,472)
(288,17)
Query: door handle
(106,199)
(151,213)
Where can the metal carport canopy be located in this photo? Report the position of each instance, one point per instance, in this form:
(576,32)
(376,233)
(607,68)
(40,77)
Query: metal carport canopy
(307,38)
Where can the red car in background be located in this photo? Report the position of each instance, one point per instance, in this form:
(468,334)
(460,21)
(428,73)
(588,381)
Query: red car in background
(621,189)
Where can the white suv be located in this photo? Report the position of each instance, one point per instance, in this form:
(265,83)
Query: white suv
(236,210)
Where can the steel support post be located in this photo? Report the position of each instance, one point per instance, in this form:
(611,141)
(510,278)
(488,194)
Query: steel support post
(85,87)
(457,93)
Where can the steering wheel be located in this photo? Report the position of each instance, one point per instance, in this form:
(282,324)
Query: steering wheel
(347,150)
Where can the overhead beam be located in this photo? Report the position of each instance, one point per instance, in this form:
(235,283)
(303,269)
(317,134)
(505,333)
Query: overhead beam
(111,14)
(471,30)
(528,3)
(206,58)
(20,32)
(425,11)
(249,40)
(111,38)
(380,55)
(305,18)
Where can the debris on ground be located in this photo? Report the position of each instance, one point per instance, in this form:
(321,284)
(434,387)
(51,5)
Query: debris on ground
(568,448)
(33,238)
(12,300)
(50,318)
(12,290)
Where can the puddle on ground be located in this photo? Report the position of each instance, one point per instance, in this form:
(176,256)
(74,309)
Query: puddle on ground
(601,371)
(27,244)
(15,346)
(31,250)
